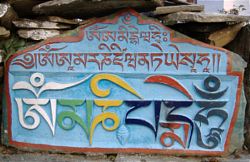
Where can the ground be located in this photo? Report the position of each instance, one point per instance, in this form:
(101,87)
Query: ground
(14,155)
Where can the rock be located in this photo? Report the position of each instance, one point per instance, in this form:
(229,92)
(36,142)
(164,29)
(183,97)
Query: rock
(247,136)
(7,15)
(199,31)
(242,48)
(224,36)
(241,45)
(159,2)
(24,7)
(37,34)
(1,69)
(172,9)
(199,27)
(181,17)
(63,20)
(88,21)
(4,8)
(185,2)
(37,24)
(85,9)
(4,33)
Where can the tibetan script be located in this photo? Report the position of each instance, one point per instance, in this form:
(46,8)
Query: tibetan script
(122,84)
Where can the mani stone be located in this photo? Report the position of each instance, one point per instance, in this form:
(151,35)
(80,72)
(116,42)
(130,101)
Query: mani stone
(85,9)
(4,33)
(237,62)
(37,34)
(7,15)
(172,9)
(202,18)
(222,37)
(28,23)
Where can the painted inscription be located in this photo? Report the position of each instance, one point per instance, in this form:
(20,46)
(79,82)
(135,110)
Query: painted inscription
(123,83)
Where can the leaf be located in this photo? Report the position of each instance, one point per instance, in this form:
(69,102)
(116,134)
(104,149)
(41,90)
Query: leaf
(7,44)
(11,51)
(18,44)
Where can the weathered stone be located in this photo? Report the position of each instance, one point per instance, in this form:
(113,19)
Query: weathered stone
(88,21)
(198,31)
(19,156)
(37,34)
(24,7)
(181,17)
(4,33)
(160,158)
(63,20)
(199,27)
(182,2)
(222,37)
(37,24)
(1,73)
(84,8)
(3,9)
(241,45)
(159,2)
(7,15)
(172,9)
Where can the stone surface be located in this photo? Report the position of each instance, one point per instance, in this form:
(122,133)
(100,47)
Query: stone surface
(24,7)
(7,15)
(159,158)
(181,17)
(3,9)
(88,21)
(4,33)
(172,9)
(37,34)
(182,2)
(37,24)
(159,2)
(10,155)
(198,27)
(241,45)
(83,8)
(224,36)
(63,20)
(198,31)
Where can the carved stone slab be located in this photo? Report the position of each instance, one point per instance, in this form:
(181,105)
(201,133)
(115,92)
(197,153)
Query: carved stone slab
(124,83)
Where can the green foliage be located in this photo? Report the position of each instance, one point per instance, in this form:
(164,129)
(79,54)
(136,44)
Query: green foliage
(11,45)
